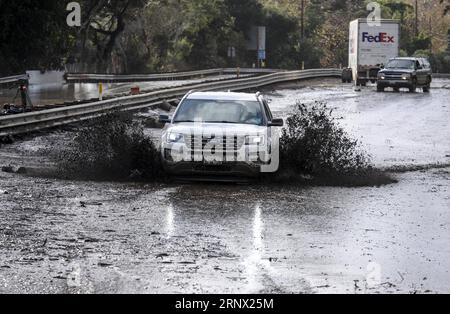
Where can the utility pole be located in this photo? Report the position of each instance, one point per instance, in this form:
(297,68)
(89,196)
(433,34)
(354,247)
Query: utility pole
(417,19)
(431,35)
(302,18)
(447,11)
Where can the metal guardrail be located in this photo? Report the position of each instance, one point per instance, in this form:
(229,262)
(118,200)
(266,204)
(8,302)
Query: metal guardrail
(12,79)
(34,121)
(75,77)
(441,75)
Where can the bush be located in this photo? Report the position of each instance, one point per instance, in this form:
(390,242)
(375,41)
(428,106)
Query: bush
(440,63)
(111,147)
(314,145)
(422,54)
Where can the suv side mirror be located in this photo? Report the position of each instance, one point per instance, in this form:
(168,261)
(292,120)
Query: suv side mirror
(277,122)
(164,119)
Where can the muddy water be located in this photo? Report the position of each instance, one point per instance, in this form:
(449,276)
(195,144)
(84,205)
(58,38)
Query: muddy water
(55,94)
(123,238)
(63,236)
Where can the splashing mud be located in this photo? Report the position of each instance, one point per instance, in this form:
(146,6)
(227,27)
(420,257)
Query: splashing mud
(315,147)
(314,151)
(113,147)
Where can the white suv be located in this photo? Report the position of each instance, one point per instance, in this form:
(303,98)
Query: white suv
(220,134)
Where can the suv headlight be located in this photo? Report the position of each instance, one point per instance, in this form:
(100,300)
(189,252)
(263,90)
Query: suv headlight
(174,137)
(406,76)
(381,76)
(255,139)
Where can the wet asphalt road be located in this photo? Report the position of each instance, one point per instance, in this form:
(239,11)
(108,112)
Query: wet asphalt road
(90,237)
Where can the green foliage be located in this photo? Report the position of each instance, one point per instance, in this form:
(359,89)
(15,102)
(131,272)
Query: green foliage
(440,62)
(34,35)
(141,36)
(422,54)
(282,38)
(421,42)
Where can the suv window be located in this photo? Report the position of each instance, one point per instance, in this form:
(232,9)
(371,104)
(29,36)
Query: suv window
(220,111)
(400,64)
(426,64)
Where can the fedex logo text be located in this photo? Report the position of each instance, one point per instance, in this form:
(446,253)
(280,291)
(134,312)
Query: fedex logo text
(380,38)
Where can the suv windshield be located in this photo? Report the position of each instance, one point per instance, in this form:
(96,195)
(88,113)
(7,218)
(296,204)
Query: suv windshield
(401,64)
(220,111)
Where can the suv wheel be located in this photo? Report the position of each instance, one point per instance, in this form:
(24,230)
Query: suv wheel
(413,87)
(426,88)
(380,88)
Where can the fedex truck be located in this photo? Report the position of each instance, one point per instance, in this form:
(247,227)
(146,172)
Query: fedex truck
(371,47)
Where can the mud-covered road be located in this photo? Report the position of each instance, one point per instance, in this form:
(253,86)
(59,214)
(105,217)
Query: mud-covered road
(92,237)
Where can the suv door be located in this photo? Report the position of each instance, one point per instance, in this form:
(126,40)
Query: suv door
(417,69)
(422,72)
(427,68)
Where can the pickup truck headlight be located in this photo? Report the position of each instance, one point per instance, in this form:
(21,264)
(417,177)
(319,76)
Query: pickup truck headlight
(255,140)
(406,76)
(381,76)
(175,138)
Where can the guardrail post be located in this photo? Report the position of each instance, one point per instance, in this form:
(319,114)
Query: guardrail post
(100,91)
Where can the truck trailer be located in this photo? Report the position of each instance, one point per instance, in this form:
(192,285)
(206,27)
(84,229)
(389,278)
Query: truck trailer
(371,47)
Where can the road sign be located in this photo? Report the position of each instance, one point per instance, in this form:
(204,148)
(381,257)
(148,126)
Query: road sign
(261,38)
(262,55)
(231,52)
(257,38)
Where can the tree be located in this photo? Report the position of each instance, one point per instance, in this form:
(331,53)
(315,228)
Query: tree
(34,35)
(103,23)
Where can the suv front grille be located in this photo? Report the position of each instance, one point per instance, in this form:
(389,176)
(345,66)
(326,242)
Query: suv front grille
(393,75)
(228,144)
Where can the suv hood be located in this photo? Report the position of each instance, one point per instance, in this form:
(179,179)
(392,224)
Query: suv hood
(216,128)
(396,70)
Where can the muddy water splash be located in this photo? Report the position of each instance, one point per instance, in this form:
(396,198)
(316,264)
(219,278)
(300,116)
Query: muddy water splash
(113,147)
(314,150)
(313,144)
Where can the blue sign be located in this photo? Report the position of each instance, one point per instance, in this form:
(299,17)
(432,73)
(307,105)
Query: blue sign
(262,55)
